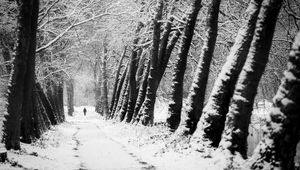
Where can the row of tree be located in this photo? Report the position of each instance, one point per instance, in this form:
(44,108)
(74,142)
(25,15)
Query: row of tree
(31,110)
(225,119)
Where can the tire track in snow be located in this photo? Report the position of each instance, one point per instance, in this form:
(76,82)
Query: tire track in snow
(146,165)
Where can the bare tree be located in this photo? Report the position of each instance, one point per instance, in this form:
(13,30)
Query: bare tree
(197,92)
(175,104)
(212,122)
(235,133)
(278,147)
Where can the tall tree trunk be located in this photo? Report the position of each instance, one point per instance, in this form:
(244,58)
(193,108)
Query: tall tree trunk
(70,96)
(141,67)
(123,96)
(47,105)
(175,104)
(98,83)
(235,133)
(132,76)
(125,100)
(212,122)
(119,90)
(141,94)
(278,146)
(162,65)
(27,131)
(60,99)
(15,95)
(54,91)
(104,92)
(147,109)
(117,81)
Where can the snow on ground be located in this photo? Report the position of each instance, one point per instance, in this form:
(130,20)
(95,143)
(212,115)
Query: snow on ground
(93,143)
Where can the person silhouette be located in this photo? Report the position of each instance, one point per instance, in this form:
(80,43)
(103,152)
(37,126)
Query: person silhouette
(84,111)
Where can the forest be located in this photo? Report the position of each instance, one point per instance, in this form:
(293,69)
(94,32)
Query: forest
(218,78)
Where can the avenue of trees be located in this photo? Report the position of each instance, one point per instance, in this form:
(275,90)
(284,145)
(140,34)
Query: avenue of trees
(212,60)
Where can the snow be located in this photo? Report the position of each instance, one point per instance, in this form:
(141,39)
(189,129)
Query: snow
(94,143)
(90,142)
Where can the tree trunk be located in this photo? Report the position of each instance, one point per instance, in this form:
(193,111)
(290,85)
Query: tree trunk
(15,95)
(60,99)
(55,95)
(132,76)
(141,94)
(104,92)
(235,133)
(116,82)
(165,59)
(125,100)
(98,83)
(141,67)
(118,93)
(212,122)
(278,146)
(147,109)
(123,95)
(47,105)
(70,96)
(175,104)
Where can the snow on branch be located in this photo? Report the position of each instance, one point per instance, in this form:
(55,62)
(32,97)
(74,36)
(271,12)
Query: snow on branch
(74,25)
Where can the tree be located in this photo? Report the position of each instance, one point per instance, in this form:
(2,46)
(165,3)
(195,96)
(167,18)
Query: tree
(28,105)
(211,124)
(115,93)
(132,78)
(70,96)
(175,104)
(197,92)
(148,106)
(104,88)
(278,147)
(235,133)
(27,21)
(119,93)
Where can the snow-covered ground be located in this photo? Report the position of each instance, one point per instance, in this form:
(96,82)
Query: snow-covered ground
(90,142)
(93,143)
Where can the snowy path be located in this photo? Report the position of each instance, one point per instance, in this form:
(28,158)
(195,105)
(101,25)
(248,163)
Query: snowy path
(77,144)
(89,142)
(96,150)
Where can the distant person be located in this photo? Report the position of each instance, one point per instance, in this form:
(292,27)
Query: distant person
(84,111)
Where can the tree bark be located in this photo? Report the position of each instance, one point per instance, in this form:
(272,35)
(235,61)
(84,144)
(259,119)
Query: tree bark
(70,96)
(98,83)
(175,104)
(278,146)
(165,59)
(147,108)
(15,96)
(104,92)
(211,124)
(123,94)
(47,105)
(125,100)
(119,90)
(235,133)
(141,94)
(27,130)
(116,82)
(132,76)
